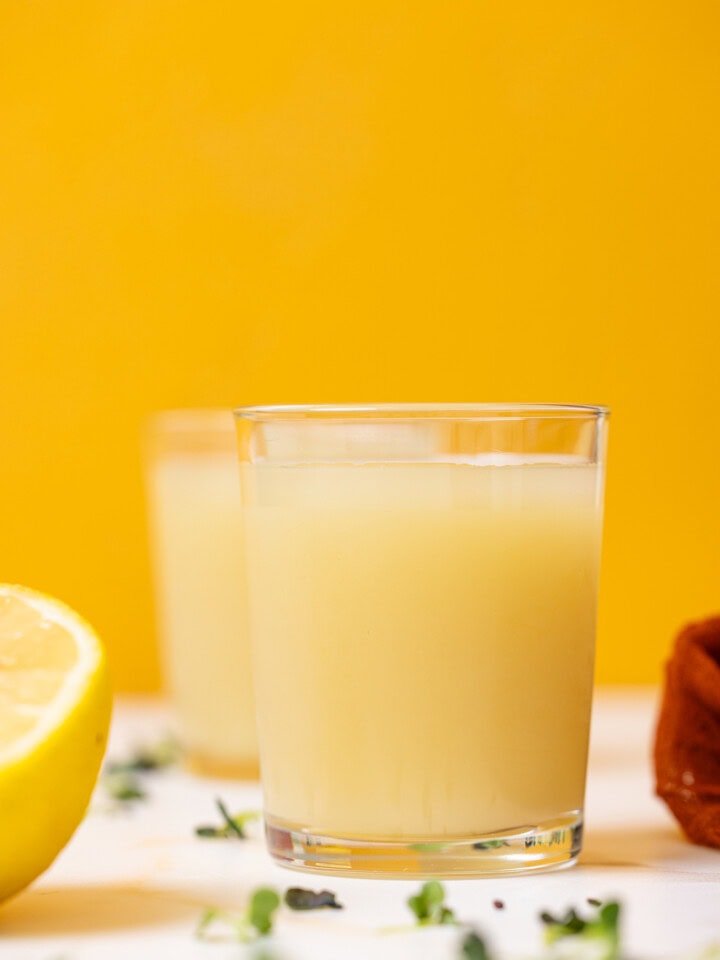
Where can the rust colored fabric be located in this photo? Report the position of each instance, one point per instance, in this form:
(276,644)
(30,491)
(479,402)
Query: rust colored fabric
(687,741)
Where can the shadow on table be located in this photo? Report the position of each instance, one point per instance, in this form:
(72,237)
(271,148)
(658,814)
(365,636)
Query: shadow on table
(653,847)
(95,909)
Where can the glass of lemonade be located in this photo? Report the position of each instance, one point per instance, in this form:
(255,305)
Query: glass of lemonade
(196,539)
(422,592)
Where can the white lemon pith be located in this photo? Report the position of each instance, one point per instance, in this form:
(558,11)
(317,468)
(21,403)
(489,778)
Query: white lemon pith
(55,704)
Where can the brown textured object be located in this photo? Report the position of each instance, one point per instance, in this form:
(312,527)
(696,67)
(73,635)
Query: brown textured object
(687,741)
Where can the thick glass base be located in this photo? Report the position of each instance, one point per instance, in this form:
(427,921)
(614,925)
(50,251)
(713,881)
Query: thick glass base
(547,846)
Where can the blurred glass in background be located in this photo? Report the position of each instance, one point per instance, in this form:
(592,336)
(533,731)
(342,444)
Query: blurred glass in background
(193,492)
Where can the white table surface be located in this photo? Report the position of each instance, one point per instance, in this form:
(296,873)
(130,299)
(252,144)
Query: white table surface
(132,884)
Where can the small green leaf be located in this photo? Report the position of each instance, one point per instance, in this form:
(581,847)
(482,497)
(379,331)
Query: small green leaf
(429,905)
(297,898)
(147,759)
(419,907)
(123,787)
(206,831)
(263,903)
(473,947)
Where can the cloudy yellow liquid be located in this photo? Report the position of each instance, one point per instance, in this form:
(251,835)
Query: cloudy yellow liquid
(199,564)
(424,638)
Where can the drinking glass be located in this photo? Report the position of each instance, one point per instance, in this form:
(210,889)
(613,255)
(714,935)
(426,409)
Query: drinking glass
(423,588)
(198,560)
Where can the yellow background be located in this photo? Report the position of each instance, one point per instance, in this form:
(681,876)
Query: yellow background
(220,203)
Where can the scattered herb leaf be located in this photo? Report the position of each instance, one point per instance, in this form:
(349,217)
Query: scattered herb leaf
(263,904)
(602,929)
(207,832)
(473,947)
(429,905)
(147,759)
(558,927)
(255,922)
(298,898)
(123,787)
(231,827)
(593,902)
(231,824)
(122,780)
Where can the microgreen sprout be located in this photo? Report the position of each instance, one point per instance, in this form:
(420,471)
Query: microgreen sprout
(122,779)
(123,787)
(232,826)
(429,905)
(255,922)
(147,759)
(603,929)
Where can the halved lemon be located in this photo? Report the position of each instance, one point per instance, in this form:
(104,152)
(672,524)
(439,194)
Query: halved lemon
(55,704)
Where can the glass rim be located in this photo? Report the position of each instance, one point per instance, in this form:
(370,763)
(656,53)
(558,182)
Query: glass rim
(436,411)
